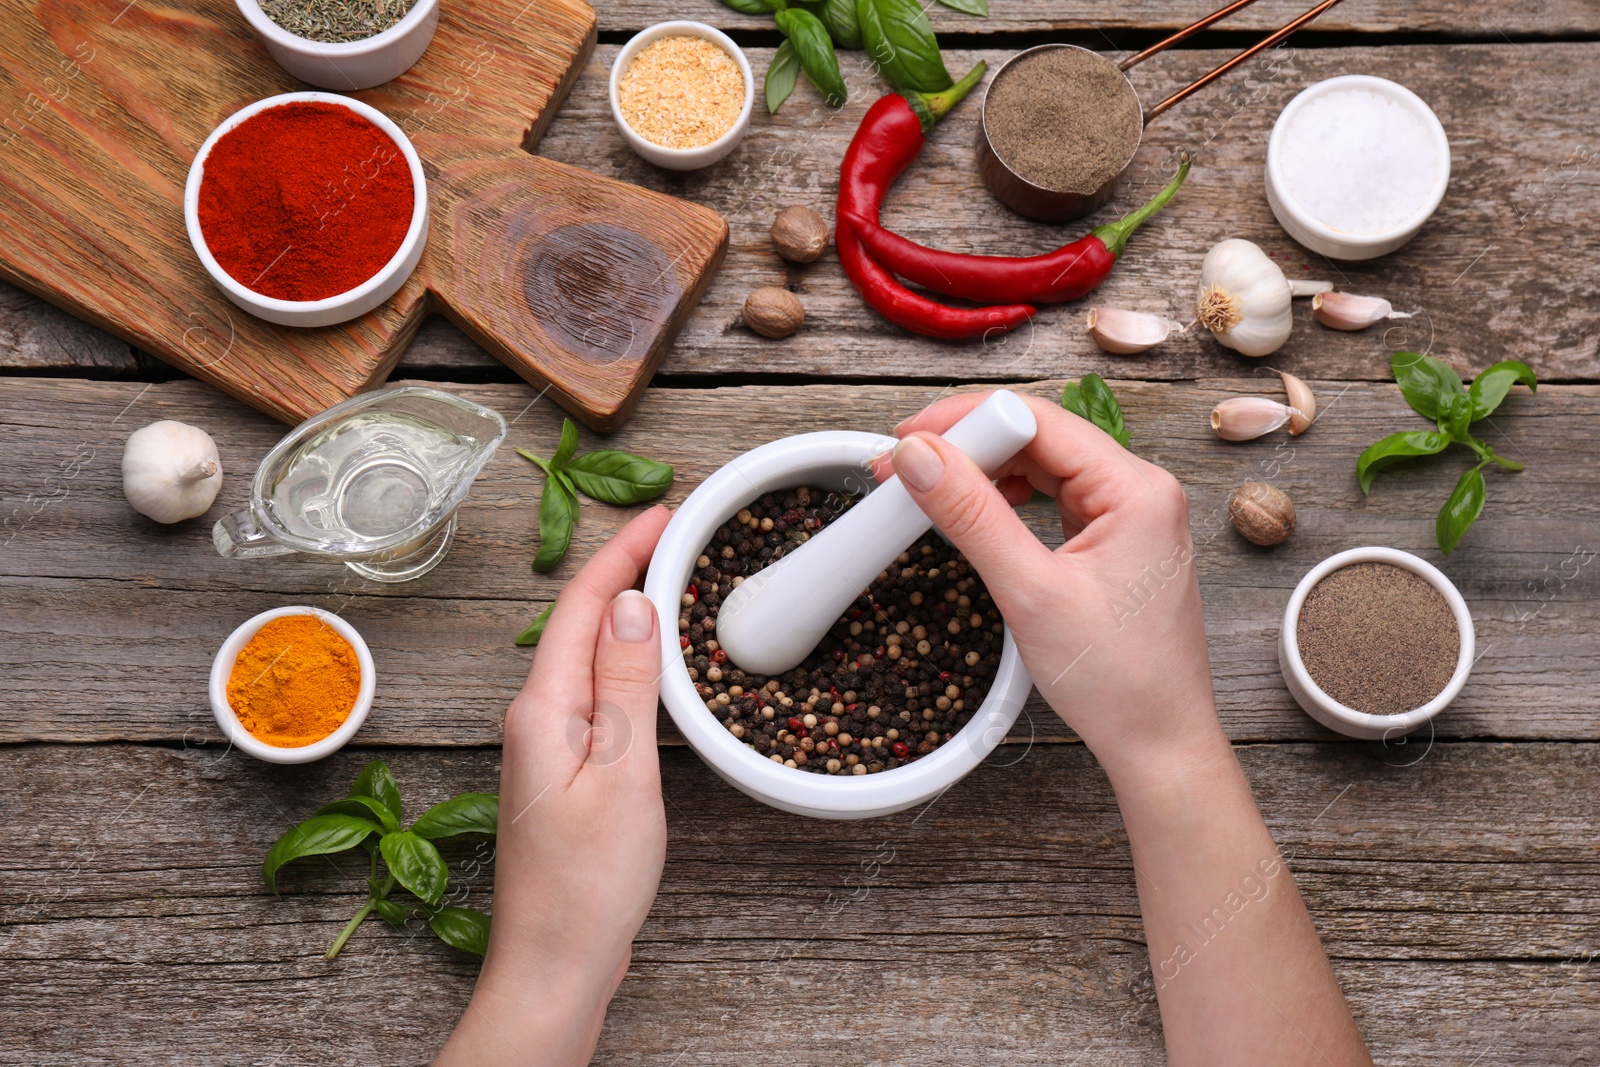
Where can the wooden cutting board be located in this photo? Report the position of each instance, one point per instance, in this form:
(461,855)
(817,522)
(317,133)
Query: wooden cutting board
(578,282)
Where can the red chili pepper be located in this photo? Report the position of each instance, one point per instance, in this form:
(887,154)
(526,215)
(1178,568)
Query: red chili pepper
(1067,273)
(890,137)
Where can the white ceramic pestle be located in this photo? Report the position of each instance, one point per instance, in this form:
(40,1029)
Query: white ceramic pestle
(773,620)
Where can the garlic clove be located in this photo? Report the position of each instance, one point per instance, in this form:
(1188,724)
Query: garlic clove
(1244,418)
(1347,311)
(1301,402)
(1127,332)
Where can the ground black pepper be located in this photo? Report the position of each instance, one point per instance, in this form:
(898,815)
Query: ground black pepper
(1063,118)
(902,671)
(1378,638)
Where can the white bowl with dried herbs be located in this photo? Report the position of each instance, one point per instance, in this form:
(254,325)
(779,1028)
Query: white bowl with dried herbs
(681,93)
(1375,642)
(343,44)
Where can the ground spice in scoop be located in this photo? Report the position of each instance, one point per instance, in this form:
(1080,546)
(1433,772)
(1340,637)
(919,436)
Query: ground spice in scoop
(1063,118)
(898,675)
(295,681)
(304,201)
(1378,638)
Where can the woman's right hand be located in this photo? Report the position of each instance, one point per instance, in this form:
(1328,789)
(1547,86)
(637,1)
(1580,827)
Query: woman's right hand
(1109,624)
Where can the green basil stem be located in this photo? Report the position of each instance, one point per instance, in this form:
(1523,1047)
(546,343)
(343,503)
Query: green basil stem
(931,107)
(356,920)
(1114,235)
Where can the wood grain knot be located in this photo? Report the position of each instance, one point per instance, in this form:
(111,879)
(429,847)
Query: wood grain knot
(602,292)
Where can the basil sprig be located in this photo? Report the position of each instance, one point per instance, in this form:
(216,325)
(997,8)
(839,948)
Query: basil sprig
(609,476)
(895,33)
(1092,399)
(406,858)
(1434,390)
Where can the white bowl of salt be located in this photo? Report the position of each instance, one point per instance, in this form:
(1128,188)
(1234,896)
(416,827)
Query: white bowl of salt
(1355,166)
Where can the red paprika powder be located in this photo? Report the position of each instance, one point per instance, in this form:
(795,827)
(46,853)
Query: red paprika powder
(305,200)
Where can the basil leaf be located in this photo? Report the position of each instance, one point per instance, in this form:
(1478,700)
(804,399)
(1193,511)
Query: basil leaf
(839,16)
(568,445)
(1426,383)
(317,836)
(463,928)
(1461,510)
(1457,417)
(900,41)
(754,7)
(535,629)
(814,48)
(415,864)
(1092,399)
(392,913)
(469,813)
(1491,387)
(782,74)
(558,514)
(1397,446)
(971,7)
(377,781)
(362,807)
(621,478)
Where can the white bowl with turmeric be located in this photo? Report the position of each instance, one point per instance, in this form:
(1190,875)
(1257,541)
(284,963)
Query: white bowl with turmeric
(682,93)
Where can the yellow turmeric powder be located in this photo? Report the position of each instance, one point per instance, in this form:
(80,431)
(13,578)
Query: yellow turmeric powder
(295,681)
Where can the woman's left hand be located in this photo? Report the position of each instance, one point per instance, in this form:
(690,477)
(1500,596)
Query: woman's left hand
(582,833)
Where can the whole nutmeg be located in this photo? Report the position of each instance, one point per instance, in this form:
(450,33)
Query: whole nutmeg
(800,234)
(773,312)
(1263,514)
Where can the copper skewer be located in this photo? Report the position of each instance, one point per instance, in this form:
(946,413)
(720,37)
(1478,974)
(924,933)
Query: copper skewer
(1202,82)
(1188,31)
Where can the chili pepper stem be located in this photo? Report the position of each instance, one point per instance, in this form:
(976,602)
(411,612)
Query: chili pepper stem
(1115,235)
(931,107)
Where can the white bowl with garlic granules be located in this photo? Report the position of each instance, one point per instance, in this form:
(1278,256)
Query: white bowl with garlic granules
(681,93)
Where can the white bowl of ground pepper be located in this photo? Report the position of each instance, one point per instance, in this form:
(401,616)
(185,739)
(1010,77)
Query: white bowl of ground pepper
(834,462)
(337,47)
(681,93)
(1375,642)
(292,685)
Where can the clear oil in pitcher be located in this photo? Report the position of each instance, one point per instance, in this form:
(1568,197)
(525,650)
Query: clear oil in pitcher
(368,477)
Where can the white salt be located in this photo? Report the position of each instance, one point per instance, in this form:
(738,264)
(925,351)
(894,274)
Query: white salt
(1358,161)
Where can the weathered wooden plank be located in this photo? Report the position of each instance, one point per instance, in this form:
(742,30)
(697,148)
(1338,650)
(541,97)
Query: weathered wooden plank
(998,925)
(1089,23)
(1499,271)
(110,621)
(37,336)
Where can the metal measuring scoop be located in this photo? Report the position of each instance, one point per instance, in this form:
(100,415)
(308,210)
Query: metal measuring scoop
(776,617)
(1050,205)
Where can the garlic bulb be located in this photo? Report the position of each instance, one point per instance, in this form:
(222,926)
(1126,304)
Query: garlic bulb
(1244,298)
(1244,418)
(1346,311)
(170,471)
(1128,332)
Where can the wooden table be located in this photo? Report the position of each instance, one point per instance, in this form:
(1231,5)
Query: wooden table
(1453,875)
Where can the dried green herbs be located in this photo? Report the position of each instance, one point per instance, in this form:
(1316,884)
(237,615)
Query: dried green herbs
(336,21)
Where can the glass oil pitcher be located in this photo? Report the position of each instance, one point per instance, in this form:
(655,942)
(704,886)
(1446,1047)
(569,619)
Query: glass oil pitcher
(374,482)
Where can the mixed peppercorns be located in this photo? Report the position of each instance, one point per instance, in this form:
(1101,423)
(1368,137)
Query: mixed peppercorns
(904,669)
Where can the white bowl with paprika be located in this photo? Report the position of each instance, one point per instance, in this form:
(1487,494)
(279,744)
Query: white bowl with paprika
(307,209)
(292,685)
